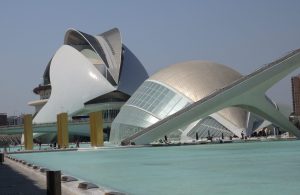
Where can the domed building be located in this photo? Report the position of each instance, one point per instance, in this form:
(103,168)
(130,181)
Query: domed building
(172,89)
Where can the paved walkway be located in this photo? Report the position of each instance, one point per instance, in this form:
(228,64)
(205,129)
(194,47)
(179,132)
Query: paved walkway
(15,181)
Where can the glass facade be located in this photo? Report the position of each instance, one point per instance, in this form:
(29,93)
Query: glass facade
(153,102)
(158,100)
(149,104)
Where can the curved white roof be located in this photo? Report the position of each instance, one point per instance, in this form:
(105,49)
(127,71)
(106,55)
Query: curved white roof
(86,67)
(114,41)
(197,79)
(74,80)
(108,46)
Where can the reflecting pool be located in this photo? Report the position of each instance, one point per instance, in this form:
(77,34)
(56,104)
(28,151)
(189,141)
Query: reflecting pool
(237,168)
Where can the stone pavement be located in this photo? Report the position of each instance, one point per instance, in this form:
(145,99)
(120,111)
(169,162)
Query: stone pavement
(15,181)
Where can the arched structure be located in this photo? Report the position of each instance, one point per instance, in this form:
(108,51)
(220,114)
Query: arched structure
(174,88)
(247,92)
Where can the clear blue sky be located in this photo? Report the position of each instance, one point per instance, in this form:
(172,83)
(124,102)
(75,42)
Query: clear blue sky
(241,34)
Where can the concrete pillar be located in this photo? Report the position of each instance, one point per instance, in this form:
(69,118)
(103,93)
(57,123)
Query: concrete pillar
(59,136)
(96,129)
(92,128)
(28,134)
(62,130)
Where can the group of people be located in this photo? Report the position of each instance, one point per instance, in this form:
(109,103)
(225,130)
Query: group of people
(53,145)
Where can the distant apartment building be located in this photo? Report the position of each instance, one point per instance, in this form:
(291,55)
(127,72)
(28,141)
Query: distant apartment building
(10,120)
(3,119)
(15,120)
(296,95)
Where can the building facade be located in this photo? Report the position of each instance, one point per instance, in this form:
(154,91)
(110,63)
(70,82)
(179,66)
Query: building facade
(86,74)
(3,119)
(91,73)
(174,88)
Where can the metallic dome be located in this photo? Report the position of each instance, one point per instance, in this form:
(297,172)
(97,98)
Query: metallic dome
(197,79)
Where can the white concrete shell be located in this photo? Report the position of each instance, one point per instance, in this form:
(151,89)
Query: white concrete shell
(173,88)
(114,40)
(74,81)
(88,67)
(107,46)
(247,92)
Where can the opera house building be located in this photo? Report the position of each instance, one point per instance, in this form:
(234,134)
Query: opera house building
(91,73)
(87,74)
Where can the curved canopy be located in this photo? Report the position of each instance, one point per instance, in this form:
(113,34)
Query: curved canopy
(75,37)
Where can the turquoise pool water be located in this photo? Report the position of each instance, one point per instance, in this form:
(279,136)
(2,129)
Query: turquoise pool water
(238,168)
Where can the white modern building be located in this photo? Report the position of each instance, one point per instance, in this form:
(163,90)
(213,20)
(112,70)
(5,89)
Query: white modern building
(86,74)
(99,73)
(172,89)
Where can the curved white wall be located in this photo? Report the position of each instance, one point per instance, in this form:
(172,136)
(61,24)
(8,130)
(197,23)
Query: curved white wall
(74,80)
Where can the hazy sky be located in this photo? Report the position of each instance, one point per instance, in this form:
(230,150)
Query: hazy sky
(241,34)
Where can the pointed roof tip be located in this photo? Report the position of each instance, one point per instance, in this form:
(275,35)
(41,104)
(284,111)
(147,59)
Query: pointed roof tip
(115,29)
(113,39)
(67,33)
(70,29)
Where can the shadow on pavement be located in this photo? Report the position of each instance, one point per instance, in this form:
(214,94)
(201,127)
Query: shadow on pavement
(14,183)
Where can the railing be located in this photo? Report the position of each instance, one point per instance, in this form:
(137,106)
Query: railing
(70,122)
